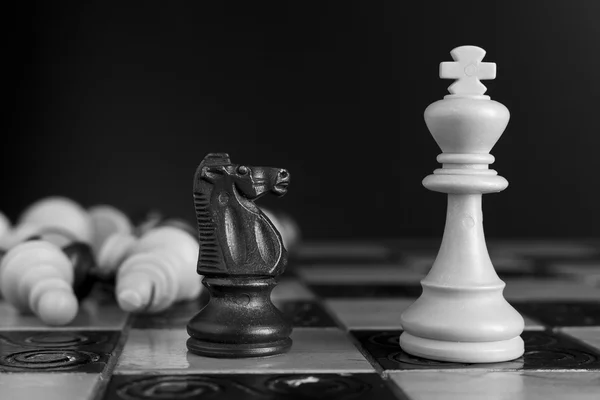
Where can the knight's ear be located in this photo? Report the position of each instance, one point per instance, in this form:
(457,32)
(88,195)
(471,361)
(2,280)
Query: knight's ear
(212,173)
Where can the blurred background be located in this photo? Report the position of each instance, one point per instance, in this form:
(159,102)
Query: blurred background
(118,103)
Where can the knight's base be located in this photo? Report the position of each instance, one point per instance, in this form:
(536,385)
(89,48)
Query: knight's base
(463,352)
(226,350)
(239,320)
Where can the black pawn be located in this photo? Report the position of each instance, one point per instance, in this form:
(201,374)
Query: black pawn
(84,267)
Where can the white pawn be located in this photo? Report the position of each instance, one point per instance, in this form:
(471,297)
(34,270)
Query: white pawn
(159,271)
(113,251)
(51,213)
(112,236)
(5,227)
(286,226)
(37,277)
(292,231)
(106,221)
(117,239)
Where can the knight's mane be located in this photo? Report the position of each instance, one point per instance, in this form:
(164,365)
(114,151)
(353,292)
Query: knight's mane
(209,257)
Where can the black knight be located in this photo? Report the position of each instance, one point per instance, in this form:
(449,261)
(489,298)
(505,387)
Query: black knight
(241,256)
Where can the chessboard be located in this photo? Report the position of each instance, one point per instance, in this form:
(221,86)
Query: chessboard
(345,299)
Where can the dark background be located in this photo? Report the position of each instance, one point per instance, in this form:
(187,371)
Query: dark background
(118,103)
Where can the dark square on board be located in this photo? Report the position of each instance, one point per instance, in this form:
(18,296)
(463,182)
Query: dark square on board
(362,386)
(56,350)
(544,350)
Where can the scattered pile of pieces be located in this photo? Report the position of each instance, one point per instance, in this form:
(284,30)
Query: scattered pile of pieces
(58,252)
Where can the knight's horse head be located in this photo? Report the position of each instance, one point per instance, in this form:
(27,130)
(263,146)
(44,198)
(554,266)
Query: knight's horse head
(251,182)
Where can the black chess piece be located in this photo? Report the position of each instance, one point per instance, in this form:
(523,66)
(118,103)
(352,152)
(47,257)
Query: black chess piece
(84,268)
(241,256)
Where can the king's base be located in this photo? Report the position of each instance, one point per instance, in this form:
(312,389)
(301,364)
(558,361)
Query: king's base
(244,350)
(463,352)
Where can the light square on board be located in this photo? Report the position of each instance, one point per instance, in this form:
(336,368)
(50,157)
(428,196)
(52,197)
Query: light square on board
(289,289)
(313,350)
(361,274)
(92,315)
(589,336)
(382,314)
(346,250)
(549,289)
(306,314)
(505,265)
(585,271)
(481,384)
(561,313)
(542,248)
(421,263)
(48,386)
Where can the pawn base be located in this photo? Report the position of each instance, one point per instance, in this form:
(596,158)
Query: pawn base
(463,352)
(226,350)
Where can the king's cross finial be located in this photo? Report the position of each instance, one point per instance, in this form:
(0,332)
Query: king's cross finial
(468,70)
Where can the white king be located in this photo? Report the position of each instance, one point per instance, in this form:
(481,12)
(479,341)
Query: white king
(462,315)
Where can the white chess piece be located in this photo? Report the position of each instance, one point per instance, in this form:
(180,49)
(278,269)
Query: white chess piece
(159,270)
(279,226)
(286,226)
(114,250)
(113,236)
(5,226)
(292,231)
(461,315)
(106,221)
(37,277)
(5,229)
(56,213)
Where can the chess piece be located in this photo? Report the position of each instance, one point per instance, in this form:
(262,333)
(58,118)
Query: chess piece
(461,315)
(113,237)
(5,226)
(58,213)
(241,256)
(293,233)
(106,221)
(116,246)
(158,271)
(113,251)
(84,268)
(179,224)
(146,220)
(37,277)
(79,254)
(65,224)
(286,226)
